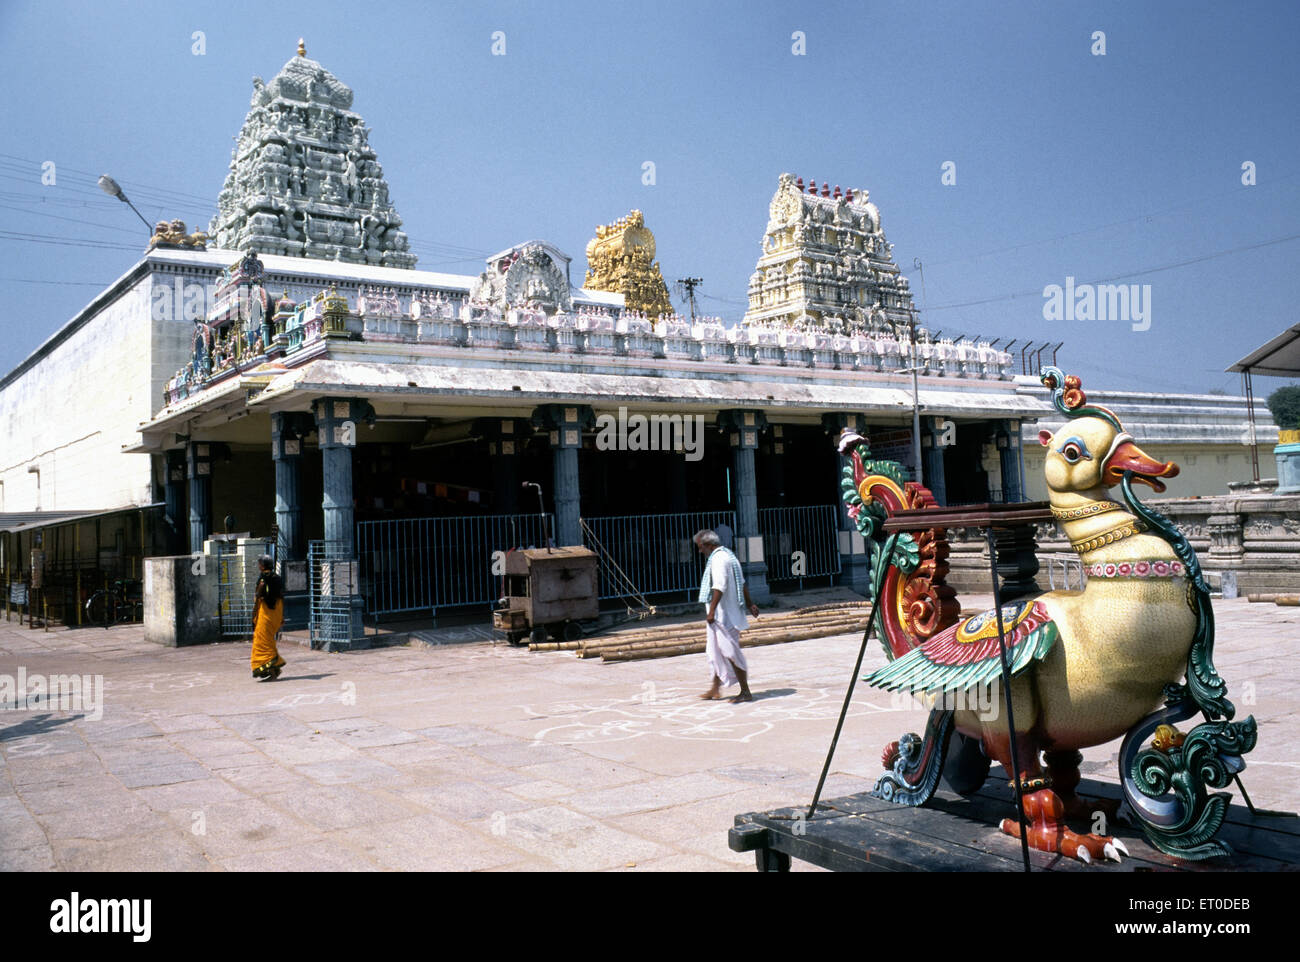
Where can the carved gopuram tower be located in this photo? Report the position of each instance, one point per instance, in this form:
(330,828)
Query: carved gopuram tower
(621,259)
(303,180)
(825,262)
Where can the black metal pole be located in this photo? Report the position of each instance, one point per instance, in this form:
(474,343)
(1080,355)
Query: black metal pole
(1006,685)
(857,667)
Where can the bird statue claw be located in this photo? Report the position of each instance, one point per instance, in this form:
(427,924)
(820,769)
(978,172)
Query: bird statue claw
(1044,813)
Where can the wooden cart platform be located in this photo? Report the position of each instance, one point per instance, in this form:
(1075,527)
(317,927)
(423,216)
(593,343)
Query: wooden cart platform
(861,833)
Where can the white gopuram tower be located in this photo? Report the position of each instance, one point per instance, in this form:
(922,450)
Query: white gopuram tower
(304,181)
(826,264)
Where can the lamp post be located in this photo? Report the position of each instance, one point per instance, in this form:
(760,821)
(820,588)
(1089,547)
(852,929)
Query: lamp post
(109,186)
(916,403)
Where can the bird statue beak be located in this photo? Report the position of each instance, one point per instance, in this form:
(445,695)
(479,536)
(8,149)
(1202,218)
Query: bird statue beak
(849,440)
(1129,457)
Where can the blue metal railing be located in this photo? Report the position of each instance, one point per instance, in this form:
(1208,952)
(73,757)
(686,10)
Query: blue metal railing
(333,584)
(422,564)
(801,542)
(654,551)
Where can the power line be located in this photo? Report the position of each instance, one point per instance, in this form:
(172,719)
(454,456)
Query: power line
(74,220)
(66,241)
(1198,203)
(1119,277)
(136,185)
(30,280)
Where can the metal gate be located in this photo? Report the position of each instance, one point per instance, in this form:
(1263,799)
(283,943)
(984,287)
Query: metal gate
(422,564)
(237,575)
(654,551)
(800,543)
(333,582)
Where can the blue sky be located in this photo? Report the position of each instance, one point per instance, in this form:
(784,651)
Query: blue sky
(1067,163)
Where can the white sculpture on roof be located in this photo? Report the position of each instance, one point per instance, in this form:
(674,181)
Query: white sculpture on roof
(532,275)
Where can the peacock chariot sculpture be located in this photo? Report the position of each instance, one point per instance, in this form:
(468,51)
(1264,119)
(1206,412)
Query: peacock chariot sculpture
(1130,655)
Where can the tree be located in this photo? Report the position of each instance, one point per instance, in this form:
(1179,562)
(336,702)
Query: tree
(1284,405)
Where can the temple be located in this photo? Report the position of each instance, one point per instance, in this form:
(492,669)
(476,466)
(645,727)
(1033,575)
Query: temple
(293,376)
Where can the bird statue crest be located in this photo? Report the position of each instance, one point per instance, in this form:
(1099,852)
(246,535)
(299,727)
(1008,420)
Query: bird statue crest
(1130,655)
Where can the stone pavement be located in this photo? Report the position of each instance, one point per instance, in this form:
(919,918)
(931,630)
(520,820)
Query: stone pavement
(474,756)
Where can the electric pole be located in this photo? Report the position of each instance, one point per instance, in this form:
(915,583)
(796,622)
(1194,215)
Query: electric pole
(690,283)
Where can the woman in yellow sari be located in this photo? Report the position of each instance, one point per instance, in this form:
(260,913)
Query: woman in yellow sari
(268,616)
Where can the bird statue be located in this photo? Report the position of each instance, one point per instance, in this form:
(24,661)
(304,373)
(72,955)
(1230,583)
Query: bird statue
(1086,666)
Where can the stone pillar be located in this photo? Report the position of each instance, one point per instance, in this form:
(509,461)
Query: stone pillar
(742,429)
(338,420)
(287,431)
(178,533)
(565,423)
(505,437)
(1287,454)
(1008,440)
(855,559)
(932,454)
(198,462)
(1227,539)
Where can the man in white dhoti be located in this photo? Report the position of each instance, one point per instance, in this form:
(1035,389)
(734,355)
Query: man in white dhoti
(725,596)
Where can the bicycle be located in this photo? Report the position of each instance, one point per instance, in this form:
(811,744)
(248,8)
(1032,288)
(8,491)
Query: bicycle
(113,606)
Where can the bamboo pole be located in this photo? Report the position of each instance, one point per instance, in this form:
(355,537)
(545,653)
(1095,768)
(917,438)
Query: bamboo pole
(697,648)
(694,626)
(832,606)
(839,624)
(824,614)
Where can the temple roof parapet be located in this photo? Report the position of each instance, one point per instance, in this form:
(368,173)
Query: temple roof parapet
(522,304)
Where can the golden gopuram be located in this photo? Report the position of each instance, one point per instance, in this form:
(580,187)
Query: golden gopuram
(620,258)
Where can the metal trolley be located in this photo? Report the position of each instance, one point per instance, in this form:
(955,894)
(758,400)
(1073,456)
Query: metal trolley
(547,591)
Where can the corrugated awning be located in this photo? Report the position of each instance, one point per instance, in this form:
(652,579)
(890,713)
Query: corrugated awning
(31,520)
(1280,357)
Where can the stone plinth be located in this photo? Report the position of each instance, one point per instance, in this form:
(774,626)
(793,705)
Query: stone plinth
(180,601)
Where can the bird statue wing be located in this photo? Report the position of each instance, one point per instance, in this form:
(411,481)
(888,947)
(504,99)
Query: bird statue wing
(967,654)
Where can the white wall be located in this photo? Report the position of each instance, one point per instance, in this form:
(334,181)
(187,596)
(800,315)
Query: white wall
(71,412)
(1204,469)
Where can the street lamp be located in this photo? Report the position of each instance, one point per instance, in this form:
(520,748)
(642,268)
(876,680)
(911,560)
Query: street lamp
(109,186)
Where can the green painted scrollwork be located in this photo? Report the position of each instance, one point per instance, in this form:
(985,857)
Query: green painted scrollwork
(1208,757)
(1167,788)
